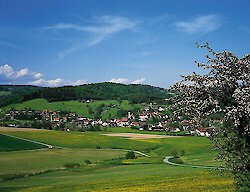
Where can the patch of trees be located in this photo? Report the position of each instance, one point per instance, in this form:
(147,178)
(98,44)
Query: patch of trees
(97,91)
(19,93)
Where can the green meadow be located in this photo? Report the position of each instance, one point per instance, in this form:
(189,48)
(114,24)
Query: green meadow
(45,170)
(110,107)
(4,93)
(13,144)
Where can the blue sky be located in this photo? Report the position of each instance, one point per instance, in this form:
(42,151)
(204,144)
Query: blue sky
(62,42)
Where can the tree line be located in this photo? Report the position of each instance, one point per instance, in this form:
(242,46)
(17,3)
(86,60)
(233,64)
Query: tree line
(97,91)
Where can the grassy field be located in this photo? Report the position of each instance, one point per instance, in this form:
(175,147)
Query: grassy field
(12,144)
(4,93)
(129,130)
(109,170)
(37,161)
(109,110)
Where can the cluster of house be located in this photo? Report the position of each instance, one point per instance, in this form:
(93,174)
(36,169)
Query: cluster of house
(71,121)
(164,125)
(67,120)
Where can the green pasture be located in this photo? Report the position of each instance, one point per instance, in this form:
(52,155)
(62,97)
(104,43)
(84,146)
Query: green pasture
(109,170)
(13,144)
(123,178)
(4,93)
(110,107)
(43,160)
(130,130)
(194,147)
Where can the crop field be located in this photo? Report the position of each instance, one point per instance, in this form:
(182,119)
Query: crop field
(13,144)
(109,170)
(110,107)
(137,136)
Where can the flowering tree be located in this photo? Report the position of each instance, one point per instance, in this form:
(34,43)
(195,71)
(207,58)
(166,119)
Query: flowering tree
(224,89)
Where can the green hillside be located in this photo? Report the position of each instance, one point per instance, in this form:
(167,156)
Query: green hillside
(16,93)
(97,91)
(104,91)
(107,108)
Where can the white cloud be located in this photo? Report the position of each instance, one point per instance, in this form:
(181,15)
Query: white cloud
(6,70)
(78,82)
(127,81)
(22,73)
(38,82)
(138,81)
(102,28)
(118,80)
(37,75)
(26,76)
(56,82)
(204,24)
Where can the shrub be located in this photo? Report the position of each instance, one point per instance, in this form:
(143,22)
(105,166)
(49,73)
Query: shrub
(130,155)
(87,162)
(182,152)
(72,165)
(174,153)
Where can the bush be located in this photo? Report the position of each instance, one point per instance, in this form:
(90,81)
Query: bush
(182,152)
(177,160)
(72,165)
(130,155)
(87,162)
(174,153)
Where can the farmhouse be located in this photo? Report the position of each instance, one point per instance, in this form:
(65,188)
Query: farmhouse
(201,131)
(134,124)
(185,125)
(173,129)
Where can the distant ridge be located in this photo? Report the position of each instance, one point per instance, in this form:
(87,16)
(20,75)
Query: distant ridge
(135,93)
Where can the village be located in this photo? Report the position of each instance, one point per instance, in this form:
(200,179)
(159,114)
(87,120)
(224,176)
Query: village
(148,119)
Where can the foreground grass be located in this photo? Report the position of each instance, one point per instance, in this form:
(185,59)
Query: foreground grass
(109,171)
(153,177)
(39,161)
(197,149)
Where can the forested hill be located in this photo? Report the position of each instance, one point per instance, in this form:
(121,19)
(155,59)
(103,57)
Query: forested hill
(17,93)
(98,91)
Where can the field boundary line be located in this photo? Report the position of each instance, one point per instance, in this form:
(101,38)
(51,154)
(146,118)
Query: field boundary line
(32,141)
(166,160)
(141,153)
(138,152)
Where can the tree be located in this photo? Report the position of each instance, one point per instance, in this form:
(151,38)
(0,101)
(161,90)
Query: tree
(225,89)
(174,153)
(130,155)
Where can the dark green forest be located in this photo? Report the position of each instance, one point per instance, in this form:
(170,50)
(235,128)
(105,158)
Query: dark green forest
(98,91)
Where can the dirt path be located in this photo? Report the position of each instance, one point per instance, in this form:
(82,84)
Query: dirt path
(166,160)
